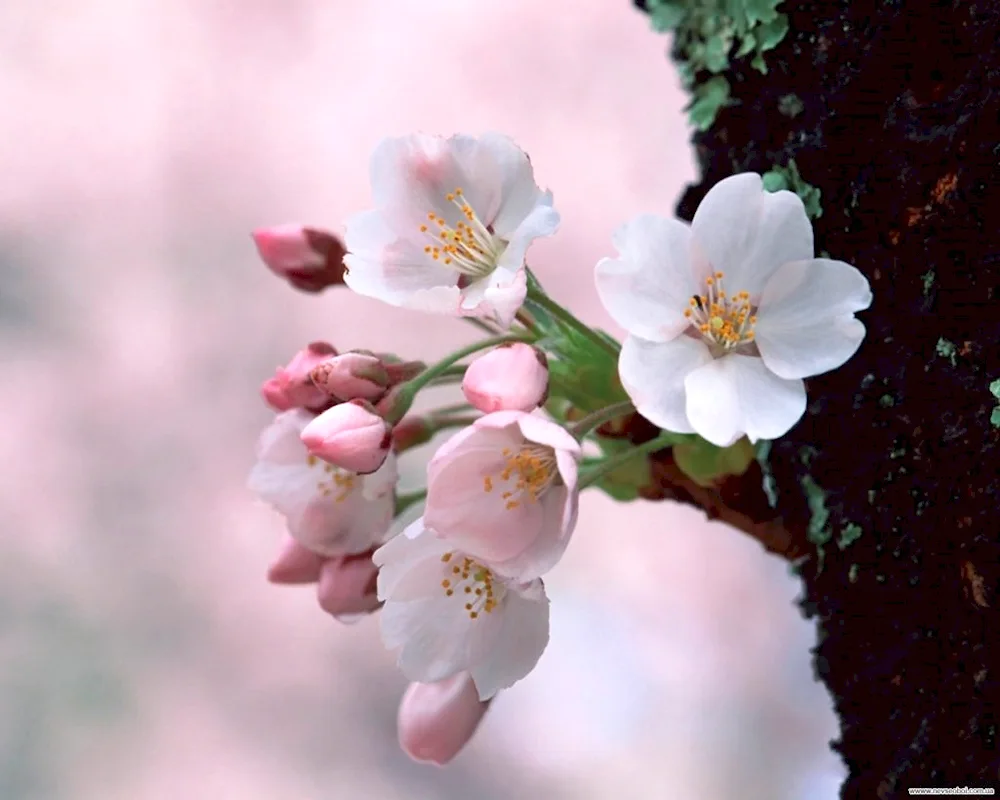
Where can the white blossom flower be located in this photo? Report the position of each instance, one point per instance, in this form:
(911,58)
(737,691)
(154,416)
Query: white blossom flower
(728,315)
(449,613)
(328,510)
(453,219)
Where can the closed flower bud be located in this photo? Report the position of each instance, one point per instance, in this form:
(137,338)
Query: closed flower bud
(291,386)
(512,377)
(346,586)
(351,436)
(295,564)
(307,258)
(352,376)
(436,720)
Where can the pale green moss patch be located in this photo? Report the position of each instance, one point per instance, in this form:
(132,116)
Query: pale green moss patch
(708,34)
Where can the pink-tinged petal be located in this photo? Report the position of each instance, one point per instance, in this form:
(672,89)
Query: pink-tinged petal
(488,434)
(542,431)
(473,515)
(559,511)
(737,395)
(347,586)
(436,720)
(512,377)
(748,233)
(653,375)
(518,644)
(806,324)
(327,510)
(295,564)
(647,288)
(411,176)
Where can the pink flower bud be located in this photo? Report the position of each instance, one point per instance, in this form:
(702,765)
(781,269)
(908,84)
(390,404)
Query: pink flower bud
(291,386)
(347,586)
(436,720)
(352,376)
(295,564)
(308,258)
(351,436)
(513,377)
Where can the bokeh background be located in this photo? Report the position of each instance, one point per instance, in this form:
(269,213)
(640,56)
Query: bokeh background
(143,656)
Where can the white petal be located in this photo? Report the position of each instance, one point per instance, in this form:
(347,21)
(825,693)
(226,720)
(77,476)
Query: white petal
(542,221)
(519,643)
(519,194)
(383,265)
(737,395)
(498,296)
(653,376)
(401,553)
(280,443)
(806,323)
(646,290)
(747,233)
(433,635)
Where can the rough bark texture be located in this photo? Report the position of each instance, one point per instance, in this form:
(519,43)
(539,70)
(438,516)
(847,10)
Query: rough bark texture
(899,130)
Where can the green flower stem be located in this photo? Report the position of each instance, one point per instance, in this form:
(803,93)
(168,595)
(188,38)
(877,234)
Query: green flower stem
(407,392)
(595,419)
(483,325)
(595,474)
(404,501)
(542,300)
(451,375)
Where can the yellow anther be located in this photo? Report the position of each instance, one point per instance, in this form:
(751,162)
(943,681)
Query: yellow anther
(446,558)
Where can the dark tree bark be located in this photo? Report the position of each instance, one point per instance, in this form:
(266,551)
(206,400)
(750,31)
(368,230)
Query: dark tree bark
(899,130)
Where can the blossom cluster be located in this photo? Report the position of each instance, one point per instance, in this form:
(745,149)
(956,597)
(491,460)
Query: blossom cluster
(725,317)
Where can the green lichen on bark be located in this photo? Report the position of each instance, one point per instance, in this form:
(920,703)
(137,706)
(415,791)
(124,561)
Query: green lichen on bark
(708,35)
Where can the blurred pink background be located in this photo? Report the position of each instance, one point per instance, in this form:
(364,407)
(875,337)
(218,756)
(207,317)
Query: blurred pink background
(142,654)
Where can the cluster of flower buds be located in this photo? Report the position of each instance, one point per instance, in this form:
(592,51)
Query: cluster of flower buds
(725,317)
